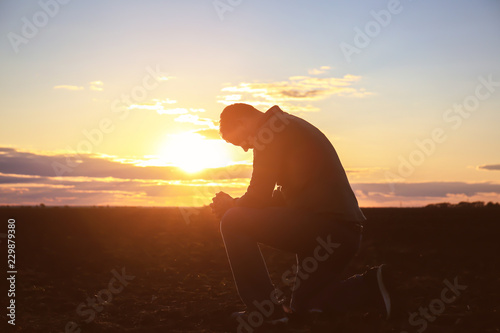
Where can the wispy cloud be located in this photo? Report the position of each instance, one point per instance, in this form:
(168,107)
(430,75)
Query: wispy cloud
(296,89)
(197,120)
(173,111)
(489,167)
(211,134)
(317,71)
(96,85)
(165,78)
(163,107)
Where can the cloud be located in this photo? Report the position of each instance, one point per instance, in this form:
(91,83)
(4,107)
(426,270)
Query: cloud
(7,150)
(317,71)
(173,111)
(24,163)
(233,98)
(113,191)
(96,85)
(427,189)
(194,119)
(165,78)
(162,107)
(68,87)
(295,90)
(489,167)
(424,193)
(211,134)
(30,178)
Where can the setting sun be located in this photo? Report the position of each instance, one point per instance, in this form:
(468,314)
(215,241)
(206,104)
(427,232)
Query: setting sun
(192,152)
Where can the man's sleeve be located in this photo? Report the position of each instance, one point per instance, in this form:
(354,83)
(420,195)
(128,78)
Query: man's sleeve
(266,167)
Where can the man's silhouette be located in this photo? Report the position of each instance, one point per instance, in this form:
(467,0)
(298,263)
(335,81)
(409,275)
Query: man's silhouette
(299,200)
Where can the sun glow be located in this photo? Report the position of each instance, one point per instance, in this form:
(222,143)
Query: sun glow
(192,152)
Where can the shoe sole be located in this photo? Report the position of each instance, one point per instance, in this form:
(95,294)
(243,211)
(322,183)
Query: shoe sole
(384,292)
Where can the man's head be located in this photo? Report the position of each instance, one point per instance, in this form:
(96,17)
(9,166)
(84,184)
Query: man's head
(239,123)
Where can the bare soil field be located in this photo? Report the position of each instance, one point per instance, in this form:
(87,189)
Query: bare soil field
(105,269)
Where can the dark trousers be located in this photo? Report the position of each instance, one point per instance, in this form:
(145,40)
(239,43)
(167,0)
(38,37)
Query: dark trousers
(323,247)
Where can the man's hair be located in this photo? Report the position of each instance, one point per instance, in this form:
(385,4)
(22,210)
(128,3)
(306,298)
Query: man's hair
(231,114)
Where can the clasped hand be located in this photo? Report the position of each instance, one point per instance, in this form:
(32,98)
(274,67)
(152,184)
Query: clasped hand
(221,203)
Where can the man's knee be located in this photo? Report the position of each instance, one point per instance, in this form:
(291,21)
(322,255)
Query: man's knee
(230,219)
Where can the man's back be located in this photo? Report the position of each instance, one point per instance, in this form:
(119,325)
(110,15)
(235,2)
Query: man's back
(301,159)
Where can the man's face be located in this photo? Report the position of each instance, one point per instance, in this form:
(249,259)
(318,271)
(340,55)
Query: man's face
(239,136)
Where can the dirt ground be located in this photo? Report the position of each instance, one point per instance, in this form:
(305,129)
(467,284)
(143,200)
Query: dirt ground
(148,270)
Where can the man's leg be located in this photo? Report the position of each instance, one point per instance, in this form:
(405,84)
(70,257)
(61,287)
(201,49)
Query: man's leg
(247,264)
(243,228)
(324,249)
(322,265)
(324,289)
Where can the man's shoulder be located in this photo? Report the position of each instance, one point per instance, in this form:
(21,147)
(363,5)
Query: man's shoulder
(282,129)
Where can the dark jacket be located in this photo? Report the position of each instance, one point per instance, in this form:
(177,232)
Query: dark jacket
(292,153)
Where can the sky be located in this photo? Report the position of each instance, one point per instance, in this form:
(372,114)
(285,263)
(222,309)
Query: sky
(117,102)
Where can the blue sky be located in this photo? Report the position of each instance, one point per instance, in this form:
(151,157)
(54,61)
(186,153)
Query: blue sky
(374,105)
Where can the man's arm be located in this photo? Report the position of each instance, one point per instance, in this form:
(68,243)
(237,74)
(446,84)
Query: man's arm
(266,168)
